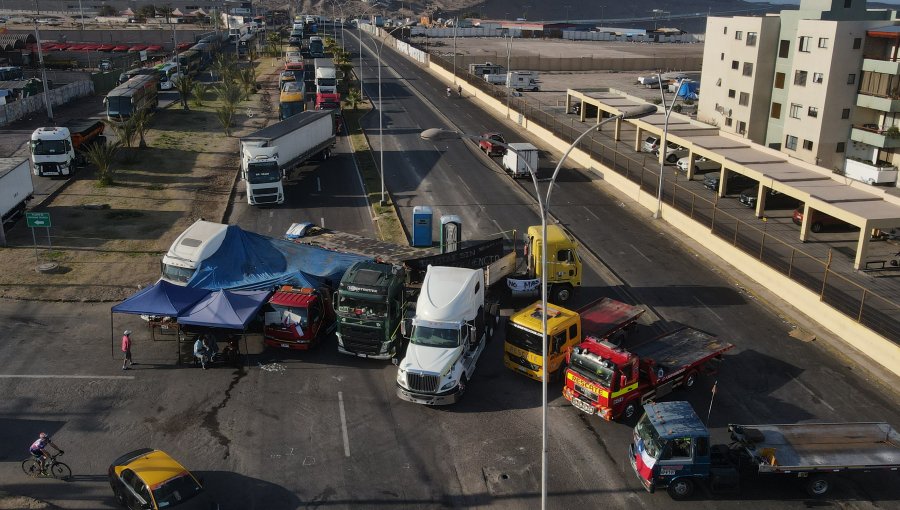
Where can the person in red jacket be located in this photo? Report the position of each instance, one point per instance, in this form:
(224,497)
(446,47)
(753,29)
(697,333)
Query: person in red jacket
(126,348)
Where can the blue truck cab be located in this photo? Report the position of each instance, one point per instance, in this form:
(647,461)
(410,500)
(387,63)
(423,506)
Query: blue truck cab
(670,449)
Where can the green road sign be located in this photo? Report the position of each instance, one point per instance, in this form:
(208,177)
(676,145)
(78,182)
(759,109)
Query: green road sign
(37,219)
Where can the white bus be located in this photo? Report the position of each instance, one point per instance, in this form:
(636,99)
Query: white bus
(168,73)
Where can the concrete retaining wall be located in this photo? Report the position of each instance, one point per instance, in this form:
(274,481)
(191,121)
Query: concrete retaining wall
(14,111)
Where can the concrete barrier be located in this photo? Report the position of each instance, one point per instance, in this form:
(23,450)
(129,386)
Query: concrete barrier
(19,109)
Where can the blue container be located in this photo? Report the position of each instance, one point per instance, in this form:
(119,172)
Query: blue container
(421,231)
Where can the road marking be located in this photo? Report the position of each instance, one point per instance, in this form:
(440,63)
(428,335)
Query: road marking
(463,182)
(813,395)
(708,308)
(270,228)
(319,184)
(639,252)
(344,424)
(271,214)
(322,222)
(592,213)
(52,376)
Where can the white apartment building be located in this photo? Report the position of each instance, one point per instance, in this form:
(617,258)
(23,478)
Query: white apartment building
(804,70)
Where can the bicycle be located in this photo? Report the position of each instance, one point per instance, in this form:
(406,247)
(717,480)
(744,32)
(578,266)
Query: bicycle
(32,467)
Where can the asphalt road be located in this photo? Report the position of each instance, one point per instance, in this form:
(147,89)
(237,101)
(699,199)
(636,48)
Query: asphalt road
(323,430)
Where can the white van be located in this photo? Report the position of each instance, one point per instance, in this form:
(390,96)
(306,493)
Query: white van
(168,73)
(517,160)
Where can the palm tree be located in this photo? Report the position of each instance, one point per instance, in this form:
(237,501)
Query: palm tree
(124,129)
(198,93)
(102,155)
(353,98)
(141,122)
(224,67)
(247,79)
(225,113)
(229,93)
(184,84)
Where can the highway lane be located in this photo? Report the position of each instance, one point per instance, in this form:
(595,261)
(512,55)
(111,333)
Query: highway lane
(769,377)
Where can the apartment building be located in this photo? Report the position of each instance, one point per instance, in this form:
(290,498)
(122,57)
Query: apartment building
(795,90)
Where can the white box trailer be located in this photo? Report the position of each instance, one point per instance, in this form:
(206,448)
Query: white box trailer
(269,155)
(516,161)
(16,188)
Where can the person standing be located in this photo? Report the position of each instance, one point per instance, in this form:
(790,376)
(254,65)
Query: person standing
(126,348)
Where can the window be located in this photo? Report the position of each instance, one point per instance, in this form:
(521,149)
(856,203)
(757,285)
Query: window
(845,113)
(681,448)
(724,30)
(779,80)
(795,110)
(738,35)
(742,128)
(807,144)
(722,57)
(784,49)
(790,142)
(813,111)
(731,93)
(840,147)
(776,111)
(818,77)
(823,42)
(804,44)
(719,82)
(800,78)
(748,68)
(744,100)
(751,38)
(857,43)
(573,331)
(847,4)
(728,121)
(734,64)
(851,79)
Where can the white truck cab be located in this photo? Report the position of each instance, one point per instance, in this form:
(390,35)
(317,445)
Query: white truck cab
(448,334)
(197,243)
(52,152)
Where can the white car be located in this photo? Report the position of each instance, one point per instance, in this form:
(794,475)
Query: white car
(701,165)
(674,153)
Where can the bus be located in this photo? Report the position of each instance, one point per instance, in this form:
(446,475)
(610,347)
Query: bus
(131,73)
(245,43)
(292,99)
(168,73)
(189,61)
(11,73)
(138,93)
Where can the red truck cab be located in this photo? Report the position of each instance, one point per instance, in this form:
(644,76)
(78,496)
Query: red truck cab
(298,318)
(489,147)
(611,382)
(331,101)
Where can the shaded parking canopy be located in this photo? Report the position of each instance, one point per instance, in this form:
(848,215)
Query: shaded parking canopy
(227,309)
(162,298)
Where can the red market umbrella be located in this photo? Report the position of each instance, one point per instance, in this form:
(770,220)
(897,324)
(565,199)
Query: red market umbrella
(183,46)
(138,47)
(121,47)
(90,47)
(105,47)
(154,47)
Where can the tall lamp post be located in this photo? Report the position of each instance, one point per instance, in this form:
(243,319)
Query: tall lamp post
(544,206)
(663,147)
(47,103)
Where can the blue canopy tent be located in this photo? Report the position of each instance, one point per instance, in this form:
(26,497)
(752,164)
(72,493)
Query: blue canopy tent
(161,299)
(226,309)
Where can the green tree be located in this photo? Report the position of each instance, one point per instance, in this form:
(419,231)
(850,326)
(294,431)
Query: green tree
(198,93)
(102,156)
(224,67)
(353,98)
(146,11)
(107,10)
(184,84)
(165,10)
(124,129)
(141,121)
(247,80)
(225,113)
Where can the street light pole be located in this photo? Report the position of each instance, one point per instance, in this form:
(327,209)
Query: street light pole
(381,113)
(47,103)
(544,207)
(663,147)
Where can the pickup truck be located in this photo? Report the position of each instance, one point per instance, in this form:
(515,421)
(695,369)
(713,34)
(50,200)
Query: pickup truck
(489,147)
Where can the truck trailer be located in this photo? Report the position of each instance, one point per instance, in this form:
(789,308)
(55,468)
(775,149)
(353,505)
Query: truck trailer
(270,155)
(57,151)
(520,160)
(326,76)
(16,189)
(671,450)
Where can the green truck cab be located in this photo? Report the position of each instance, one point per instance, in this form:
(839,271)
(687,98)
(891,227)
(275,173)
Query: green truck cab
(369,305)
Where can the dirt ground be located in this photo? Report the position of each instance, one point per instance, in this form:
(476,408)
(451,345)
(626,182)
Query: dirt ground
(108,241)
(564,48)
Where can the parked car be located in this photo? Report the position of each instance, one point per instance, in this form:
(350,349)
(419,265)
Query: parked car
(674,153)
(650,144)
(820,220)
(774,199)
(105,65)
(701,165)
(736,181)
(576,108)
(490,148)
(151,479)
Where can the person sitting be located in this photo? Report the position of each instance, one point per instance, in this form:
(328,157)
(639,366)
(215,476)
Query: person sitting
(201,352)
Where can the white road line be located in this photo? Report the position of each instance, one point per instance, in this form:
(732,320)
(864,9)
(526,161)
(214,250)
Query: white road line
(463,183)
(52,376)
(639,252)
(592,213)
(708,308)
(813,395)
(344,424)
(319,186)
(272,213)
(270,229)
(322,222)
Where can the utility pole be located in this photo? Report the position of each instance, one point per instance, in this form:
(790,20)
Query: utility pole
(47,103)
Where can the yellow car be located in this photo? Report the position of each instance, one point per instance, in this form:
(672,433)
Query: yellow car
(149,479)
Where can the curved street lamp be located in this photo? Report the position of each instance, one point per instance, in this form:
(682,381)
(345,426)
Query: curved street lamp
(544,206)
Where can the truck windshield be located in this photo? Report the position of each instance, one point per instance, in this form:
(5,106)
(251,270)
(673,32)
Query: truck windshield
(118,106)
(592,366)
(647,433)
(291,108)
(328,105)
(176,274)
(262,173)
(48,147)
(286,315)
(523,338)
(326,82)
(357,306)
(435,337)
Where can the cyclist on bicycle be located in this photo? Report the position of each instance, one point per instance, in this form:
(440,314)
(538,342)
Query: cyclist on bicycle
(39,449)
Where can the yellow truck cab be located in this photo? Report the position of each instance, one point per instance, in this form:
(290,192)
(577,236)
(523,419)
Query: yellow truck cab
(563,262)
(523,345)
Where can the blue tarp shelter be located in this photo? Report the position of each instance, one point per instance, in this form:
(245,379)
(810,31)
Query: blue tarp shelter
(227,309)
(689,90)
(249,261)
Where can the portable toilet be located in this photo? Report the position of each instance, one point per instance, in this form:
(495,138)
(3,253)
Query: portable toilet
(451,233)
(422,218)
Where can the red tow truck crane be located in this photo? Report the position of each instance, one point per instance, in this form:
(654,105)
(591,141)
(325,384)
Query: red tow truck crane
(610,381)
(298,318)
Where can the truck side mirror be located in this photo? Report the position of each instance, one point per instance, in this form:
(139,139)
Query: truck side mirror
(623,381)
(406,327)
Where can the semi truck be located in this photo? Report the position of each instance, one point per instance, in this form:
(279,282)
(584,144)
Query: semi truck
(563,265)
(270,155)
(57,151)
(326,76)
(671,449)
(612,382)
(523,346)
(316,46)
(452,324)
(16,189)
(298,318)
(197,243)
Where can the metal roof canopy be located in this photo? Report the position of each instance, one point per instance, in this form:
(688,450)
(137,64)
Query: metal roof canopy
(859,207)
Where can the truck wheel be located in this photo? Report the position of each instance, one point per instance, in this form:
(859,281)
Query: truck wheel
(817,486)
(690,380)
(681,488)
(561,293)
(631,410)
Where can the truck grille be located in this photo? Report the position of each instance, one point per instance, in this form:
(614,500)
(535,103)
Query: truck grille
(361,340)
(422,383)
(586,393)
(518,360)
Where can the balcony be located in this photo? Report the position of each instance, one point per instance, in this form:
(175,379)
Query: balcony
(875,137)
(870,173)
(875,65)
(879,103)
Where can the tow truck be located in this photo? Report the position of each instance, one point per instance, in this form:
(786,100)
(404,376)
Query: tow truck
(298,318)
(609,381)
(605,319)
